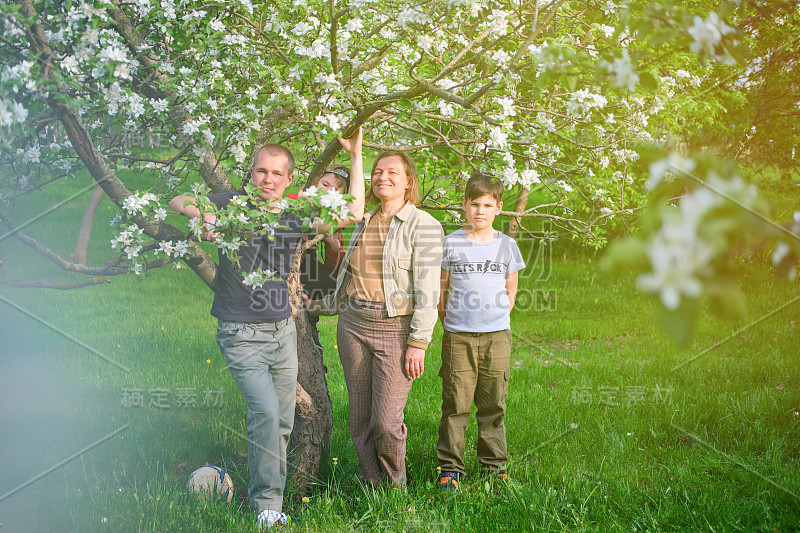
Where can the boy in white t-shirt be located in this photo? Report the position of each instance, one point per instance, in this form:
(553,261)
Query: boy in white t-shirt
(479,286)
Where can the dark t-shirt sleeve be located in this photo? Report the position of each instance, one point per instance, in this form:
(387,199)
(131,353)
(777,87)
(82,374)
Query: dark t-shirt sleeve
(235,301)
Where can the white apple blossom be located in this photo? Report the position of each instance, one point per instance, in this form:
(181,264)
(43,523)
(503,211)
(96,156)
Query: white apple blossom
(32,154)
(192,127)
(498,22)
(217,25)
(18,113)
(136,106)
(354,25)
(679,258)
(583,101)
(331,121)
(425,41)
(317,50)
(239,155)
(388,33)
(258,277)
(70,64)
(301,28)
(546,123)
(709,36)
(335,201)
(508,107)
(564,185)
(498,138)
(181,248)
(445,108)
(411,16)
(501,57)
(446,84)
(673,162)
(529,177)
(328,81)
(622,71)
(159,105)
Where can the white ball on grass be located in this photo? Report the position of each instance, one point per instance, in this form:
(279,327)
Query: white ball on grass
(211,481)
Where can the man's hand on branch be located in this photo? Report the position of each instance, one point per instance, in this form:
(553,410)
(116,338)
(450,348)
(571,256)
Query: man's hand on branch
(208,223)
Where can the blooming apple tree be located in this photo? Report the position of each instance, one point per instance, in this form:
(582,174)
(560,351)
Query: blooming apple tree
(561,100)
(554,98)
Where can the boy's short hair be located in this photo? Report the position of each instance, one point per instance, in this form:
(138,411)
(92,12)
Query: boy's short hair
(341,172)
(481,184)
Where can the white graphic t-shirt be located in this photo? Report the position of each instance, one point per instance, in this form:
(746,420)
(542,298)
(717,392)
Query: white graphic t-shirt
(477,301)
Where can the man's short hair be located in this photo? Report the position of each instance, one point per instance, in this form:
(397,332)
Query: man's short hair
(412,193)
(273,150)
(481,184)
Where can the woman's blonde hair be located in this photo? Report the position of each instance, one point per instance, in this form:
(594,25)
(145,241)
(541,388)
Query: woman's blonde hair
(412,193)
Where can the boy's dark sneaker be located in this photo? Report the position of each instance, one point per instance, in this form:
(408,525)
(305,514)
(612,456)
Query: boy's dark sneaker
(499,475)
(448,481)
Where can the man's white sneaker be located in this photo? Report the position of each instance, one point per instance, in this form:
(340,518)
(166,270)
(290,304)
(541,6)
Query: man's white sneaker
(268,518)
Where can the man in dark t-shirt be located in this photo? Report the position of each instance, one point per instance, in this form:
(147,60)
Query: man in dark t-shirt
(235,301)
(256,332)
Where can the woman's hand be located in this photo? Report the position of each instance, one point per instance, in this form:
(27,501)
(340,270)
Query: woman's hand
(333,243)
(353,145)
(415,362)
(312,307)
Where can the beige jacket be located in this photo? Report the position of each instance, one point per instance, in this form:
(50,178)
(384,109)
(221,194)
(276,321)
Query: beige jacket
(412,262)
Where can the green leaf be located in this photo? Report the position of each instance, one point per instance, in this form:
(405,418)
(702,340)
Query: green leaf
(678,324)
(648,81)
(727,300)
(626,254)
(663,35)
(644,28)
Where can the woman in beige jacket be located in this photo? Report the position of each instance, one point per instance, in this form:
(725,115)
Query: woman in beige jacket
(386,295)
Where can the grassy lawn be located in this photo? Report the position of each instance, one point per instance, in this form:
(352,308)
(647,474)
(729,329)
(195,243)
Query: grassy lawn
(112,395)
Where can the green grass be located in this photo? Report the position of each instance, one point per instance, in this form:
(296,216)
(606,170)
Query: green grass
(597,419)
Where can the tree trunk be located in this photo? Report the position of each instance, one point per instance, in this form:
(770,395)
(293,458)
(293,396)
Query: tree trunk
(522,203)
(313,419)
(78,256)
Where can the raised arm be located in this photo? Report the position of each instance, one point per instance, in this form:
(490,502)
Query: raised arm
(353,147)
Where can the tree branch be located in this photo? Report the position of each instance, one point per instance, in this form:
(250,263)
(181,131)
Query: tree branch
(95,163)
(361,117)
(53,285)
(212,172)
